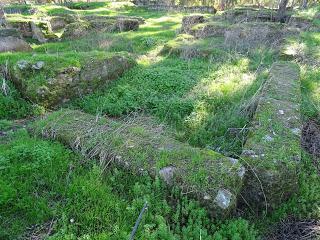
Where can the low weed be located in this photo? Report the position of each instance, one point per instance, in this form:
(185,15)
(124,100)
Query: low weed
(43,182)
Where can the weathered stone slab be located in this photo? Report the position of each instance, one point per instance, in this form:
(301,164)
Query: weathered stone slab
(209,29)
(13,44)
(101,24)
(253,34)
(58,23)
(39,30)
(189,21)
(142,147)
(272,150)
(9,32)
(37,33)
(45,82)
(24,27)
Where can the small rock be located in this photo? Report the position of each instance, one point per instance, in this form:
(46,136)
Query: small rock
(23,64)
(207,197)
(247,152)
(223,198)
(233,160)
(241,171)
(281,112)
(38,65)
(268,138)
(296,131)
(167,174)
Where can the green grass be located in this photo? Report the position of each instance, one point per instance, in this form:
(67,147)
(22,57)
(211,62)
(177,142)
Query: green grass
(43,182)
(12,106)
(200,99)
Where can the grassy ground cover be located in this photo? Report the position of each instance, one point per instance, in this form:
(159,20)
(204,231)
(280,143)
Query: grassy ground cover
(200,99)
(46,188)
(58,193)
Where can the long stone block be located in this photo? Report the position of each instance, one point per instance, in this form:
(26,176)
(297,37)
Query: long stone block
(272,150)
(142,147)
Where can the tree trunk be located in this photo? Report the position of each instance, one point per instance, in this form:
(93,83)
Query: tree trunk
(3,22)
(282,10)
(304,4)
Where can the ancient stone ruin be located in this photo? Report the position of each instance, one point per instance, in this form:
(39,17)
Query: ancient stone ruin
(168,6)
(272,150)
(210,177)
(68,82)
(89,24)
(10,39)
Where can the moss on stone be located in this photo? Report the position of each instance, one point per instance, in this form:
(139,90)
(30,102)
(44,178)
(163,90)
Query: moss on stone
(209,29)
(142,147)
(187,46)
(273,148)
(50,80)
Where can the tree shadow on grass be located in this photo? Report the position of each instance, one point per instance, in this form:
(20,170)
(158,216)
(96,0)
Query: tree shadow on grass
(200,100)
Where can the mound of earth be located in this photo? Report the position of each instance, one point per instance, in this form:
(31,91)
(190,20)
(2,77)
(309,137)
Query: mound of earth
(209,29)
(249,14)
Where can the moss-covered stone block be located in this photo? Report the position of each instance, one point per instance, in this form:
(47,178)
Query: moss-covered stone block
(253,34)
(250,14)
(13,44)
(50,80)
(187,46)
(272,150)
(76,30)
(189,21)
(90,24)
(141,146)
(209,29)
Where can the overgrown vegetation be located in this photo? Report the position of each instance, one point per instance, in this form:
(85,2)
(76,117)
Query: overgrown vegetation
(204,92)
(42,182)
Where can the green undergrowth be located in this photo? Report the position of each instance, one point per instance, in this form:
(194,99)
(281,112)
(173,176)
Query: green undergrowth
(155,32)
(310,85)
(186,46)
(200,99)
(304,204)
(42,183)
(29,80)
(12,106)
(18,9)
(87,5)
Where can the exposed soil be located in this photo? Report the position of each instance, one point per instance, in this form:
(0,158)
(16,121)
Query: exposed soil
(39,231)
(293,229)
(310,141)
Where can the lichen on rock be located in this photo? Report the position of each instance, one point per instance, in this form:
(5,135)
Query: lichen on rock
(135,146)
(49,84)
(272,150)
